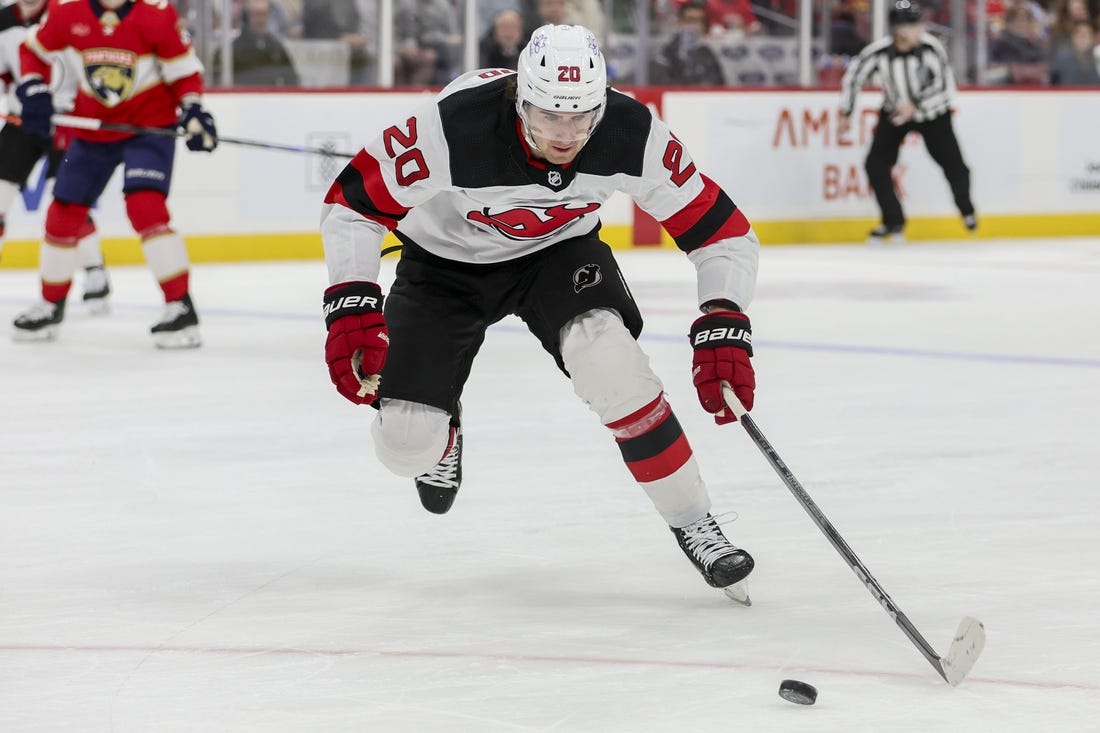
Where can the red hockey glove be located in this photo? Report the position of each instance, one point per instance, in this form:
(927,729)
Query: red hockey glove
(723,345)
(357,339)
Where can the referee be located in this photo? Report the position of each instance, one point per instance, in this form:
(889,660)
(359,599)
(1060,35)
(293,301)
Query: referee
(917,85)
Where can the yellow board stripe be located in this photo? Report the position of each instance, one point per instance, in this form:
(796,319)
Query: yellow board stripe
(307,245)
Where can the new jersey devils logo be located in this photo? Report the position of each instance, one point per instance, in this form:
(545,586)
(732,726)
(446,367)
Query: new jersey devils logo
(533,222)
(586,277)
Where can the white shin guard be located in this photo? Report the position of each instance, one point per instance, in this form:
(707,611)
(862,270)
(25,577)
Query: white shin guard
(409,437)
(610,372)
(90,251)
(57,264)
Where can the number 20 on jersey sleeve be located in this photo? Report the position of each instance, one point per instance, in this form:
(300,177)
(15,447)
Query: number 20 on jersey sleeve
(673,160)
(408,161)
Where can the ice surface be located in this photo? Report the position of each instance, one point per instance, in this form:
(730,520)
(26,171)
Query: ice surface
(203,541)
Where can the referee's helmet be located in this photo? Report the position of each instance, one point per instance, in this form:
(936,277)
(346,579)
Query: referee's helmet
(905,12)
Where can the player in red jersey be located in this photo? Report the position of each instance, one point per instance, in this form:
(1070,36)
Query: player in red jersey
(139,69)
(20,151)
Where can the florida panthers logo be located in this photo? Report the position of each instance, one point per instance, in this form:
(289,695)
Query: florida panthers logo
(533,222)
(110,73)
(586,277)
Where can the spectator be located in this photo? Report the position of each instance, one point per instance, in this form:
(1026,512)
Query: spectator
(1076,64)
(487,12)
(1067,14)
(500,49)
(1016,54)
(339,20)
(292,9)
(685,59)
(849,28)
(259,57)
(730,17)
(588,13)
(550,12)
(427,37)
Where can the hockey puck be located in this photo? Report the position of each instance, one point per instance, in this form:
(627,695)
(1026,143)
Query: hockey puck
(797,692)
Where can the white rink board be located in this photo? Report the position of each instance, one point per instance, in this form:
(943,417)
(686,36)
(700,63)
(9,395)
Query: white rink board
(780,157)
(776,153)
(240,190)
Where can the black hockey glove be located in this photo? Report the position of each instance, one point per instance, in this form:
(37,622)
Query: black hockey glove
(198,124)
(37,100)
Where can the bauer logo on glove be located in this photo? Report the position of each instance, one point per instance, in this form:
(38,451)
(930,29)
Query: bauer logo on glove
(357,339)
(723,344)
(734,334)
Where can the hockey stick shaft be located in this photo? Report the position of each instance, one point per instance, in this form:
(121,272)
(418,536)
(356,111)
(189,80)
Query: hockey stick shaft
(970,638)
(90,123)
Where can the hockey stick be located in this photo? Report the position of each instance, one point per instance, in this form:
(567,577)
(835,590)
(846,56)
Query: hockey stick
(969,639)
(90,123)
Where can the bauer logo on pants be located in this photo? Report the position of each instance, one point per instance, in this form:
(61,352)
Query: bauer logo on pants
(586,277)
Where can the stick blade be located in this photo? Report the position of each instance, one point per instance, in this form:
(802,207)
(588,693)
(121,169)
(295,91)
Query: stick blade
(965,649)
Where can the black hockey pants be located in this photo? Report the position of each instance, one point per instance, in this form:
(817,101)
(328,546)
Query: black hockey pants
(939,138)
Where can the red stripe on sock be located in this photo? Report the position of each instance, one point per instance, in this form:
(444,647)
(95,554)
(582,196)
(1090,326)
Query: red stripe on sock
(175,287)
(636,415)
(664,464)
(55,292)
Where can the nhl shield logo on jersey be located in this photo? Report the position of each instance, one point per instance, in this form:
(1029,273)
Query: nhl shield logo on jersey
(587,277)
(110,73)
(553,178)
(531,223)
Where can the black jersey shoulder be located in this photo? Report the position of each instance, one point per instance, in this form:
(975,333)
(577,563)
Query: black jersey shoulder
(9,18)
(479,126)
(618,145)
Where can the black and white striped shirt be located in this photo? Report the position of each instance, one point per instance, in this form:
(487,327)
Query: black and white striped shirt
(922,76)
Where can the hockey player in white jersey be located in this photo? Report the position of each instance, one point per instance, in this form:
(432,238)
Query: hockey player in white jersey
(494,190)
(20,151)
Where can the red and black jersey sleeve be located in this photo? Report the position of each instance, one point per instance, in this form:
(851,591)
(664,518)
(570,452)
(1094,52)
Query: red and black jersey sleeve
(709,217)
(362,188)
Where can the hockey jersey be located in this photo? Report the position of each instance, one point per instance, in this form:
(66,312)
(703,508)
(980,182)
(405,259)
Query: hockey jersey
(457,178)
(136,63)
(13,29)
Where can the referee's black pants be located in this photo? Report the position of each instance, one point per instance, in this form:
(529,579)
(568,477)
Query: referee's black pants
(939,138)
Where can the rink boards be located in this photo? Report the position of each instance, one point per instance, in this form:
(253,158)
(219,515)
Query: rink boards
(1034,159)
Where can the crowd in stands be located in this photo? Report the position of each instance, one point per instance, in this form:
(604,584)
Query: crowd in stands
(693,41)
(1035,44)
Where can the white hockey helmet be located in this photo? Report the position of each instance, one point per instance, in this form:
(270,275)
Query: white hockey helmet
(561,70)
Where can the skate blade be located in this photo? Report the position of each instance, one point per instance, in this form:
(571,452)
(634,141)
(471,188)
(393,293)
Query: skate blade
(187,338)
(890,239)
(46,333)
(97,306)
(738,593)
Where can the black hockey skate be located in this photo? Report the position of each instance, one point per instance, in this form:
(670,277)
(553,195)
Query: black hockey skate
(439,486)
(970,221)
(883,234)
(722,564)
(40,322)
(178,327)
(96,289)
